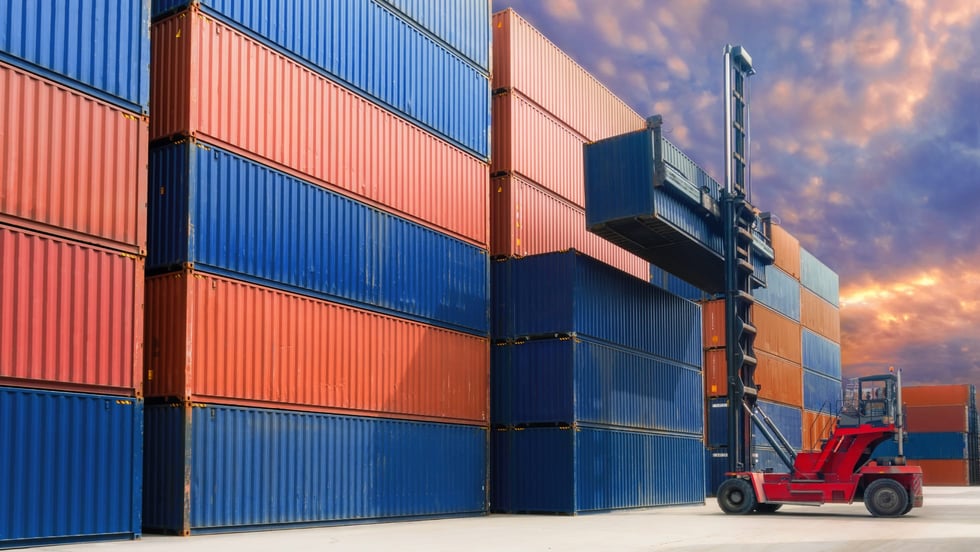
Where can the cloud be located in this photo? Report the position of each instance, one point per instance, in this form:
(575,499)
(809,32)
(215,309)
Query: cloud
(678,68)
(563,9)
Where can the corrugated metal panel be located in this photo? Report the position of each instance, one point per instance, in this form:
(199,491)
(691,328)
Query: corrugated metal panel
(920,419)
(253,468)
(821,355)
(101,47)
(779,380)
(371,49)
(777,334)
(781,293)
(713,317)
(964,393)
(816,427)
(219,340)
(525,60)
(944,472)
(683,289)
(933,446)
(715,466)
(580,469)
(569,293)
(71,315)
(71,165)
(287,233)
(765,458)
(527,220)
(579,380)
(71,467)
(788,419)
(215,83)
(463,25)
(531,142)
(786,249)
(819,278)
(821,393)
(819,315)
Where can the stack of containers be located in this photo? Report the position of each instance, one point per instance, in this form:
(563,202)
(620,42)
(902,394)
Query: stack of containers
(318,311)
(74,94)
(820,316)
(596,389)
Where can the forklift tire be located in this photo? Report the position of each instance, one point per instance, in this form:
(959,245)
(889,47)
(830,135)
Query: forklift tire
(886,498)
(767,508)
(736,496)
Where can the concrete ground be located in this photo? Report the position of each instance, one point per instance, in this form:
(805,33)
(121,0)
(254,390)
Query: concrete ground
(950,520)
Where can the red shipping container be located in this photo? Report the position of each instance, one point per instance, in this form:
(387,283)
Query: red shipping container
(816,428)
(217,340)
(524,60)
(71,315)
(528,220)
(937,418)
(930,395)
(817,315)
(217,84)
(780,381)
(954,473)
(786,249)
(71,165)
(530,142)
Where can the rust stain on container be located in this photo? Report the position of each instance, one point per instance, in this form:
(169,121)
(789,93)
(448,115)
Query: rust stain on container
(213,339)
(780,381)
(816,427)
(818,315)
(944,472)
(71,165)
(215,83)
(930,395)
(786,249)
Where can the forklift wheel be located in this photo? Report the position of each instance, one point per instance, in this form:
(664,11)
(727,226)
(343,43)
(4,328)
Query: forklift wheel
(767,508)
(886,498)
(735,496)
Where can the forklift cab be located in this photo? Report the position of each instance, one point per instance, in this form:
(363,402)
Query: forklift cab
(873,401)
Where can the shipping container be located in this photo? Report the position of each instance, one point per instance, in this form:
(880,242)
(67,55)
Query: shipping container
(947,445)
(788,420)
(766,459)
(819,278)
(530,142)
(821,355)
(100,47)
(782,293)
(527,220)
(71,315)
(464,25)
(71,165)
(368,48)
(223,341)
(71,470)
(777,334)
(523,59)
(280,231)
(820,316)
(579,469)
(715,467)
(817,427)
(821,393)
(713,322)
(566,381)
(937,418)
(785,247)
(684,289)
(928,395)
(777,379)
(218,468)
(214,83)
(572,294)
(944,473)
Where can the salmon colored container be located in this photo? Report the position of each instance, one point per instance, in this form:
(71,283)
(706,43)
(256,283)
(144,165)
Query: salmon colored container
(780,381)
(818,315)
(528,220)
(215,83)
(816,428)
(523,59)
(786,249)
(71,165)
(938,418)
(930,395)
(952,473)
(532,143)
(223,341)
(713,323)
(71,315)
(777,334)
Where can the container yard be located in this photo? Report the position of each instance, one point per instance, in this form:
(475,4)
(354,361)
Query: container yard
(365,274)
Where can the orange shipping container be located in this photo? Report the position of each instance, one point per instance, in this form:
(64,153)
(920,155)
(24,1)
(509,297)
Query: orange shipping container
(777,334)
(523,59)
(528,220)
(713,323)
(780,381)
(927,395)
(786,249)
(218,340)
(944,472)
(938,418)
(818,315)
(215,83)
(816,428)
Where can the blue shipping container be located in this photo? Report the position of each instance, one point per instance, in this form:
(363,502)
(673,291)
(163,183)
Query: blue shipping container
(819,278)
(581,469)
(929,446)
(371,49)
(782,293)
(581,380)
(788,420)
(464,25)
(821,393)
(570,293)
(70,467)
(715,466)
(232,216)
(765,459)
(821,355)
(219,468)
(100,47)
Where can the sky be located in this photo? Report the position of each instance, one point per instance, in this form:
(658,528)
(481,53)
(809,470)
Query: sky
(865,144)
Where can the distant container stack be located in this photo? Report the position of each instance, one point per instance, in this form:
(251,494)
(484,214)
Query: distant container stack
(74,107)
(318,291)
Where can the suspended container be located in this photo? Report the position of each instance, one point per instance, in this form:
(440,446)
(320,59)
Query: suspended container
(572,470)
(819,278)
(71,467)
(212,468)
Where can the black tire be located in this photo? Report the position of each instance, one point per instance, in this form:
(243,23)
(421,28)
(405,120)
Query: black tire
(767,508)
(909,507)
(735,496)
(886,498)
